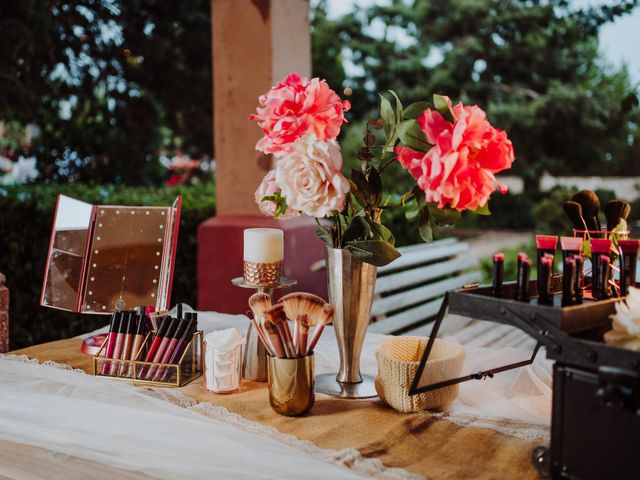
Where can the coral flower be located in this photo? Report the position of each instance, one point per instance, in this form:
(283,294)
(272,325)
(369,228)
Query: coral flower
(297,106)
(458,171)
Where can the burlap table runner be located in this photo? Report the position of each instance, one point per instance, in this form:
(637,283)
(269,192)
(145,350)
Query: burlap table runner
(420,443)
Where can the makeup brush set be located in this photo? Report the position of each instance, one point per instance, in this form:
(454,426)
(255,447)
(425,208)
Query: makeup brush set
(309,314)
(162,350)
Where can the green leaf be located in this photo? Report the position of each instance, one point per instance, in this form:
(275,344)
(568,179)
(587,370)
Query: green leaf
(399,109)
(358,229)
(443,107)
(324,236)
(375,183)
(483,210)
(414,110)
(444,216)
(363,192)
(387,116)
(382,232)
(425,229)
(412,136)
(374,252)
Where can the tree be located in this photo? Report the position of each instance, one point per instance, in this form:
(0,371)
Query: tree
(109,82)
(533,65)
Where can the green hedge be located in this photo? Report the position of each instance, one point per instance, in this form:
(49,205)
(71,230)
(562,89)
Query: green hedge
(25,227)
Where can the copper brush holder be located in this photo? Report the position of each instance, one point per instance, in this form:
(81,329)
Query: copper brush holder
(291,385)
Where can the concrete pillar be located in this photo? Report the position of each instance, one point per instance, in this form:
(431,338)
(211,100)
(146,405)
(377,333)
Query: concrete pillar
(255,43)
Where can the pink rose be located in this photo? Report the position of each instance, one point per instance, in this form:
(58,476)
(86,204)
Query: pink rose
(267,188)
(459,170)
(310,177)
(297,106)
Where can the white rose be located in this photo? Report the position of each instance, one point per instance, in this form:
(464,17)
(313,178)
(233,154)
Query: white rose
(268,187)
(310,177)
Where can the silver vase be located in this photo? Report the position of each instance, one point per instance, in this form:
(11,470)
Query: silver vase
(351,284)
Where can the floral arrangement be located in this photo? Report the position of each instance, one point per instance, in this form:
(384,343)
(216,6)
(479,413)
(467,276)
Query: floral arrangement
(452,152)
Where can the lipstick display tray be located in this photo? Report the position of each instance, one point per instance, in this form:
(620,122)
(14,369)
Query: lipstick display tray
(188,368)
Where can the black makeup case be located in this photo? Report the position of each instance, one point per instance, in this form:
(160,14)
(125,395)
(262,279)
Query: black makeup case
(595,426)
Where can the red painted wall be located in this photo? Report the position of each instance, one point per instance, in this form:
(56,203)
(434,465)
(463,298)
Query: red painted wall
(220,245)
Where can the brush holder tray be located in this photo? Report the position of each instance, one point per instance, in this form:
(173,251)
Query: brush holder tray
(188,368)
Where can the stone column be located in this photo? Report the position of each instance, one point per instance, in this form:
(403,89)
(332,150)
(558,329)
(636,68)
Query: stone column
(4,315)
(255,43)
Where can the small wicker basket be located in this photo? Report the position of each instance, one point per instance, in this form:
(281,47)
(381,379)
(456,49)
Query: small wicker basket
(398,360)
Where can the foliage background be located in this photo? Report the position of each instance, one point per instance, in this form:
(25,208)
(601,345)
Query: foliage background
(114,84)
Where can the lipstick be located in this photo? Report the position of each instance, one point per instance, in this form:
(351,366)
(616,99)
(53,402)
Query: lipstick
(171,346)
(117,351)
(111,341)
(138,338)
(568,281)
(545,269)
(570,246)
(603,273)
(155,345)
(579,280)
(129,332)
(181,345)
(545,245)
(599,247)
(522,278)
(628,262)
(164,343)
(498,275)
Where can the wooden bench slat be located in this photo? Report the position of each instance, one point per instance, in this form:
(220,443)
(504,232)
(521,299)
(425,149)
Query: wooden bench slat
(408,298)
(406,318)
(395,281)
(428,253)
(420,246)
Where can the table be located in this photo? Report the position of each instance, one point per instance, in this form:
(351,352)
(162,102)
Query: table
(421,443)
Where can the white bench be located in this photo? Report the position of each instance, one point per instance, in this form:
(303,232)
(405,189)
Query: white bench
(409,291)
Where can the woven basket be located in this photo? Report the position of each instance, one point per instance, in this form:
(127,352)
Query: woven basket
(398,360)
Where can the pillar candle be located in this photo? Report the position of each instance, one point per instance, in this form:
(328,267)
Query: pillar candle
(263,245)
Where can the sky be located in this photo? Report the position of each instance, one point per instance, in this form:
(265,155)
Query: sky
(619,42)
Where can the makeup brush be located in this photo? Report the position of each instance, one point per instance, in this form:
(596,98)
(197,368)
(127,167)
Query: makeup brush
(271,327)
(590,204)
(615,211)
(259,303)
(326,317)
(573,210)
(301,303)
(259,329)
(302,335)
(276,317)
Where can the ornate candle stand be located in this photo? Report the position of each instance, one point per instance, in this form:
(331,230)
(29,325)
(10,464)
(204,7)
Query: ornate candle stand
(254,362)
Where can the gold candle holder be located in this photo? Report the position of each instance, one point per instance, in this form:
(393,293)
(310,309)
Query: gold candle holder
(291,385)
(261,274)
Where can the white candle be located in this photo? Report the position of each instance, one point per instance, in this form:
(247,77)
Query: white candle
(263,245)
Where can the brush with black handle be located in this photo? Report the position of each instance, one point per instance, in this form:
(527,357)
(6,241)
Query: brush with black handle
(615,211)
(573,210)
(590,204)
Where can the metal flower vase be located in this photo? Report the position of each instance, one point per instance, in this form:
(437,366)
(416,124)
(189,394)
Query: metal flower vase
(351,284)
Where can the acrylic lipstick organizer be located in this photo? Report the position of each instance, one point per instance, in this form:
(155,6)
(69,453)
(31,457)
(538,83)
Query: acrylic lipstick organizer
(188,368)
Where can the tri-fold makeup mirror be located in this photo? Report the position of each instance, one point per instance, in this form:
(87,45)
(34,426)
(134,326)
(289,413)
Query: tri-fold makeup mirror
(108,258)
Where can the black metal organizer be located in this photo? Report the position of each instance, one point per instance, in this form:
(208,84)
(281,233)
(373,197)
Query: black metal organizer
(595,425)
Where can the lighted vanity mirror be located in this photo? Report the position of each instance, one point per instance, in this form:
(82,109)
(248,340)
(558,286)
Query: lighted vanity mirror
(104,258)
